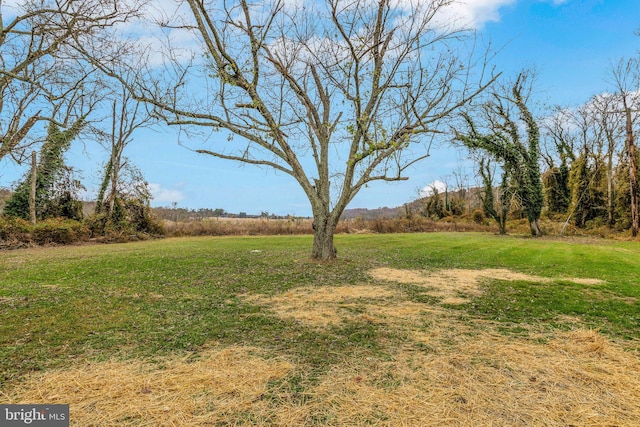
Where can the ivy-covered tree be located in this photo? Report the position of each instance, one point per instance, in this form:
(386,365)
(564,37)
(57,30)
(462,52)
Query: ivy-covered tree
(587,195)
(611,122)
(591,135)
(434,206)
(622,201)
(556,188)
(42,77)
(498,132)
(56,189)
(498,210)
(123,197)
(129,212)
(559,144)
(626,79)
(127,116)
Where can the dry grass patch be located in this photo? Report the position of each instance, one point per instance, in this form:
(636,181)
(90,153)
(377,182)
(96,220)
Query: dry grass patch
(321,306)
(578,379)
(453,285)
(217,386)
(598,295)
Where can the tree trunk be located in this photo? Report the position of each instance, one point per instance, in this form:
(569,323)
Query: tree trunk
(114,188)
(323,229)
(32,193)
(633,183)
(610,217)
(502,227)
(103,187)
(536,230)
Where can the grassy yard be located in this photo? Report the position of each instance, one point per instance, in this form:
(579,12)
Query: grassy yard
(407,329)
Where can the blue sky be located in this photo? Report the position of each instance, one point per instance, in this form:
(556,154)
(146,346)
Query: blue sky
(572,44)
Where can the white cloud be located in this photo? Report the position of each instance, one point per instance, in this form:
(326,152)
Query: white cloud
(473,13)
(165,195)
(427,190)
(162,33)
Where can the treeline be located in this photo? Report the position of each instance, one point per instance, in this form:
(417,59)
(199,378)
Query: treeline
(576,165)
(590,161)
(185,214)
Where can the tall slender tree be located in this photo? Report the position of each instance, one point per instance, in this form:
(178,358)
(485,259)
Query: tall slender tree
(127,116)
(613,132)
(496,209)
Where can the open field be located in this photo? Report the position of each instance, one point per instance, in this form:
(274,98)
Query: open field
(297,226)
(440,329)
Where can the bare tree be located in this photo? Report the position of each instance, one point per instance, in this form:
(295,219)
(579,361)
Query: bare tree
(611,124)
(559,139)
(41,79)
(625,77)
(336,94)
(462,180)
(127,115)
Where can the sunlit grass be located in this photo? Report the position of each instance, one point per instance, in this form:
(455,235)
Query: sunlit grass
(158,297)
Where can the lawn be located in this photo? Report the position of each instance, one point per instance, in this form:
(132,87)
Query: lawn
(458,329)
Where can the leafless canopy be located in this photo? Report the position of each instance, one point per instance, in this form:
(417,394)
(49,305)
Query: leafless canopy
(334,93)
(41,78)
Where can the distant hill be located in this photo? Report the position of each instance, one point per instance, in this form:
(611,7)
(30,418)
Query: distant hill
(470,198)
(371,213)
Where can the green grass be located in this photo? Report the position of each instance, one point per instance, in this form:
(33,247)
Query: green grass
(152,298)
